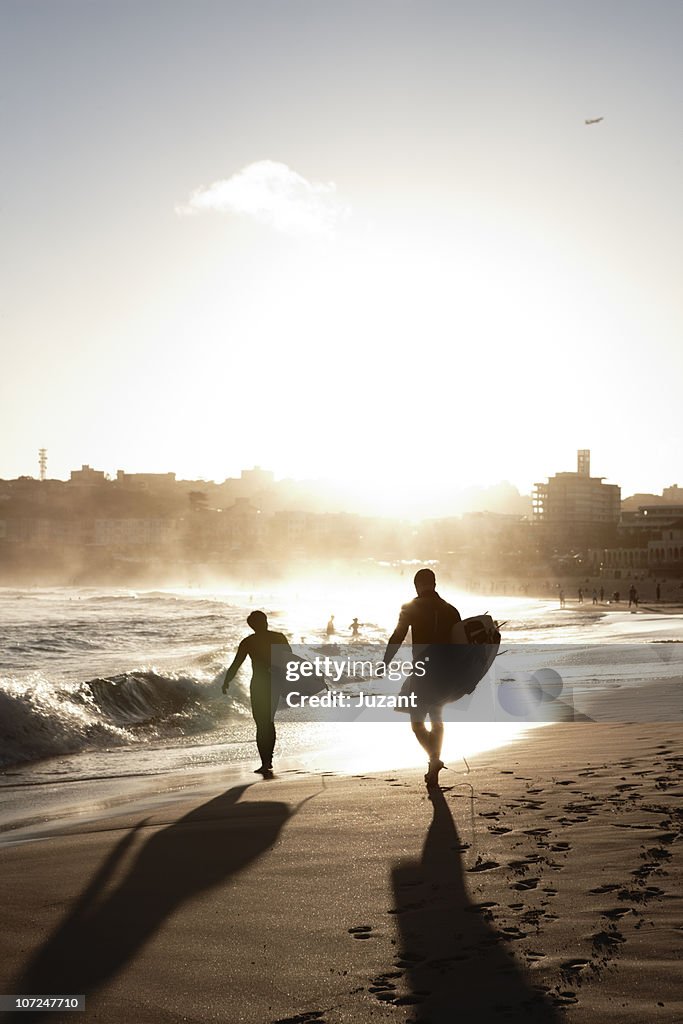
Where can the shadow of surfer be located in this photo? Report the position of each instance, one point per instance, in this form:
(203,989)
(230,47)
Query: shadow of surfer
(456,963)
(112,921)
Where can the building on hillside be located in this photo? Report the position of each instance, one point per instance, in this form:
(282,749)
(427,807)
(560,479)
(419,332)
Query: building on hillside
(673,495)
(670,496)
(145,481)
(256,479)
(87,477)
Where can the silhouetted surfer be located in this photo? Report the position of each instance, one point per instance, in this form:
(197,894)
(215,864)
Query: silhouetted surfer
(430,620)
(263,701)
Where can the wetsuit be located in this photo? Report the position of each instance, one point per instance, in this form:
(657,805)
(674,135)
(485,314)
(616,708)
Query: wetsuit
(264,699)
(430,620)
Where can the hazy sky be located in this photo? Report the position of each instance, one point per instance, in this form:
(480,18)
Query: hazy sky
(370,240)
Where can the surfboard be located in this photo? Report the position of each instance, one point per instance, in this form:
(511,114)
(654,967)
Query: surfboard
(475,642)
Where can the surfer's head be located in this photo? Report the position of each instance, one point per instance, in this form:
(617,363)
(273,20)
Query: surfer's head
(424,581)
(258,621)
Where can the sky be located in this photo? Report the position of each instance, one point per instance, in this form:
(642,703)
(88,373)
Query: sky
(372,242)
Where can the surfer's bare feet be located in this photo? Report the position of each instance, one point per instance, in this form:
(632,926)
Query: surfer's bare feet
(432,776)
(264,769)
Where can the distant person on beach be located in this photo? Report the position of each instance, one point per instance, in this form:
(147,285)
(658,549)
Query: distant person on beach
(263,703)
(580,596)
(633,596)
(355,628)
(602,594)
(430,620)
(659,592)
(561,598)
(595,596)
(330,626)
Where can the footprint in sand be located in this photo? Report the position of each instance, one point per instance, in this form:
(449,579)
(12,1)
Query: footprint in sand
(657,853)
(574,966)
(520,866)
(564,998)
(382,986)
(607,941)
(533,917)
(481,908)
(667,837)
(484,865)
(361,931)
(615,913)
(650,892)
(524,884)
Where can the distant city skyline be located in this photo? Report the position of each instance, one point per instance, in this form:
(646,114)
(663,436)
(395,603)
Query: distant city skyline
(238,466)
(502,494)
(375,244)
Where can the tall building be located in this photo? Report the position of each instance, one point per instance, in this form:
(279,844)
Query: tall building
(577,499)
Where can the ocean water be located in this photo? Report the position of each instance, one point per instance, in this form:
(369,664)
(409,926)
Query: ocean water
(109,683)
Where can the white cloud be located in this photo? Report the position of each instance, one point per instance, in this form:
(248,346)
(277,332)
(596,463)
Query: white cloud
(272,193)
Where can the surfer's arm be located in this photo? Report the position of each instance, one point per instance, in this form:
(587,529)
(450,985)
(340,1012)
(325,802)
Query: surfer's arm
(233,668)
(397,637)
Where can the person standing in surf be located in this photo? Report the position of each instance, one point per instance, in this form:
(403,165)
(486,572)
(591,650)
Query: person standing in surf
(430,620)
(264,699)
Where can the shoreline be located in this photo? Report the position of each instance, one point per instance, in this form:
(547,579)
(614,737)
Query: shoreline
(551,893)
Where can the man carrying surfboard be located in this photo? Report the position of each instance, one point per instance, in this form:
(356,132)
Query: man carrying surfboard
(430,620)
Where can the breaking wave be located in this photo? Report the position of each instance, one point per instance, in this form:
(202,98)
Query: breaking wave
(39,719)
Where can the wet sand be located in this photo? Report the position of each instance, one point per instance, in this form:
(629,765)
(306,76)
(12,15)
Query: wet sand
(543,886)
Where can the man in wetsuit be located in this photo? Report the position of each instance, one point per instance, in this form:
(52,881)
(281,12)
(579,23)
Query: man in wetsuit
(264,699)
(430,620)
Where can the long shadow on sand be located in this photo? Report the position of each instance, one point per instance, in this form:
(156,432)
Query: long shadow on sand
(109,925)
(457,965)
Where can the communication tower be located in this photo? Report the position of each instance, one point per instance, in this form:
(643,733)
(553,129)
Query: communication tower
(42,462)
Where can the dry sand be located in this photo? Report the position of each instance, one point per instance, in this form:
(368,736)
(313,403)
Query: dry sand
(553,895)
